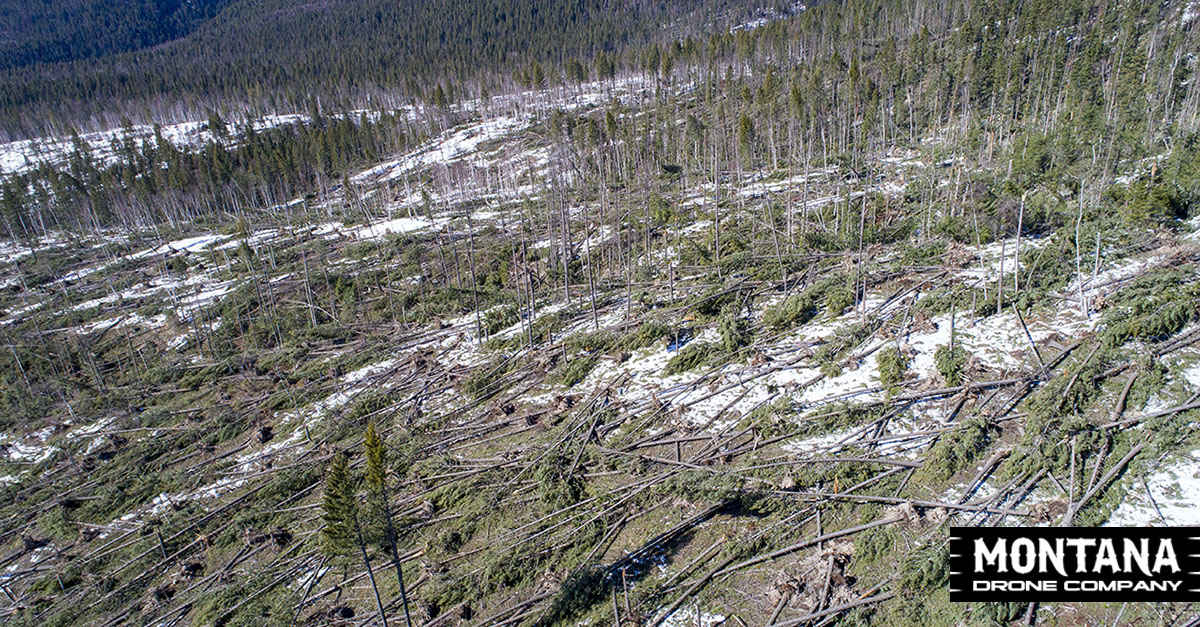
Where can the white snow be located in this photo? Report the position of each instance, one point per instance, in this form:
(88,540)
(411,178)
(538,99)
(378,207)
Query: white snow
(395,225)
(1174,487)
(1192,375)
(188,244)
(23,155)
(691,617)
(998,256)
(450,146)
(30,450)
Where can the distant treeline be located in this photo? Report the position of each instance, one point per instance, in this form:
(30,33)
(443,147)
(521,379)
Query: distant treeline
(1057,95)
(154,180)
(83,58)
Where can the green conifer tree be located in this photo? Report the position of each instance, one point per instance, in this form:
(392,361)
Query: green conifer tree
(338,508)
(381,526)
(342,533)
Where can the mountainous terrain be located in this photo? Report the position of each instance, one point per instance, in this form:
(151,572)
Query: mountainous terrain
(72,62)
(44,32)
(701,316)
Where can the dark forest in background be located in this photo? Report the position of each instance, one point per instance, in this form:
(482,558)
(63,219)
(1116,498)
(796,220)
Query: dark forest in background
(69,60)
(1051,92)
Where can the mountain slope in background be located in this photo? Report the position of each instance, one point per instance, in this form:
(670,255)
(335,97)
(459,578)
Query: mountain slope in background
(717,330)
(320,49)
(51,31)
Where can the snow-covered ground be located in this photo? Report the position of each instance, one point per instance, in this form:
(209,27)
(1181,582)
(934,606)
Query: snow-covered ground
(21,156)
(31,450)
(691,616)
(451,146)
(1169,496)
(392,226)
(495,142)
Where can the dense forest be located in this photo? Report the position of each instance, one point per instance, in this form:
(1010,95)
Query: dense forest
(1070,90)
(50,32)
(572,312)
(280,54)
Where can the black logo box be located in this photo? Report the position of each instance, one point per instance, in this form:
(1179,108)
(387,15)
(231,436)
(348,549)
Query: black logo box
(1130,584)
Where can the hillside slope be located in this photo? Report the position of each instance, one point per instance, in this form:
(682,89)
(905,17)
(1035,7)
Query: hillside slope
(733,337)
(77,60)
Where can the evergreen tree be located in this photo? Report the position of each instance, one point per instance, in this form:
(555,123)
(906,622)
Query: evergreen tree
(376,460)
(383,528)
(339,510)
(343,530)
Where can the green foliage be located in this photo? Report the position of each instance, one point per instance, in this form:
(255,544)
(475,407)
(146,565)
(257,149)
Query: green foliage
(613,344)
(56,523)
(1031,160)
(661,211)
(701,486)
(926,569)
(1001,613)
(714,300)
(376,461)
(963,230)
(485,381)
(794,311)
(829,354)
(1144,203)
(377,515)
(270,610)
(922,254)
(956,450)
(922,595)
(557,484)
(735,330)
(893,367)
(690,357)
(568,373)
(584,588)
(838,299)
(371,405)
(178,265)
(1151,377)
(783,417)
(59,582)
(1057,424)
(648,333)
(875,547)
(1154,306)
(339,508)
(950,363)
(498,319)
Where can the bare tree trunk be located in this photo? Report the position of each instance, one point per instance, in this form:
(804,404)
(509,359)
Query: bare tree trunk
(362,547)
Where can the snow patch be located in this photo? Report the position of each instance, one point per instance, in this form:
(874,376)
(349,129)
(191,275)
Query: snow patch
(397,225)
(691,617)
(1174,488)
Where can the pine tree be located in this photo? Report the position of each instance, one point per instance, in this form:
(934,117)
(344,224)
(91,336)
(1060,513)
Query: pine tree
(576,73)
(376,458)
(381,515)
(746,139)
(537,76)
(342,533)
(216,125)
(338,508)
